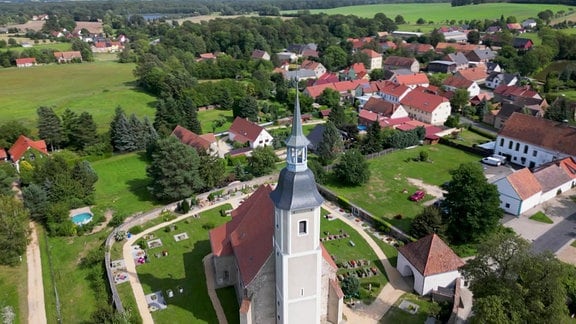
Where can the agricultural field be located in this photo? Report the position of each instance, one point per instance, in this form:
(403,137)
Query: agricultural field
(386,193)
(441,12)
(97,88)
(41,46)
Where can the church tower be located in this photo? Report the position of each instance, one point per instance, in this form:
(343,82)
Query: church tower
(297,250)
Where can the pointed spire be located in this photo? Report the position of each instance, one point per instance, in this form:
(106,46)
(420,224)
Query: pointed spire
(297,138)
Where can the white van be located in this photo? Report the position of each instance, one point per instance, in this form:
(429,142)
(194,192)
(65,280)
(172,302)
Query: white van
(491,161)
(502,158)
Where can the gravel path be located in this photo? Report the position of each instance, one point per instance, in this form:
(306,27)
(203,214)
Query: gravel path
(36,310)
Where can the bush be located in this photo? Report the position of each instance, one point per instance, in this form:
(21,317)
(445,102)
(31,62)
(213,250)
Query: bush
(208,226)
(116,221)
(136,229)
(423,156)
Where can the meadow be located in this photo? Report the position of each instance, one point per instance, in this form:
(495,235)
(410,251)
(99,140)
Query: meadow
(41,46)
(441,12)
(97,88)
(13,290)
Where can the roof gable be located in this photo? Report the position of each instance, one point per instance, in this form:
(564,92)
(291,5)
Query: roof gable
(399,61)
(192,139)
(551,176)
(430,256)
(524,183)
(423,101)
(245,130)
(412,79)
(22,144)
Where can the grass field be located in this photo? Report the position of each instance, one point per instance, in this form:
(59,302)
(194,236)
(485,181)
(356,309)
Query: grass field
(183,267)
(440,12)
(13,285)
(207,118)
(122,184)
(397,315)
(97,88)
(41,46)
(383,194)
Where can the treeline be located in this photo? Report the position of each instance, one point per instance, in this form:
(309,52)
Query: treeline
(456,3)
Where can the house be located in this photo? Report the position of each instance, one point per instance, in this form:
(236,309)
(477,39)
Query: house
(375,59)
(244,131)
(206,57)
(347,89)
(514,93)
(439,66)
(417,48)
(456,36)
(406,34)
(412,80)
(67,57)
(457,47)
(25,62)
(286,56)
(493,67)
(354,72)
(515,27)
(26,149)
(432,135)
(106,46)
(529,24)
(519,191)
(303,50)
(300,74)
(205,142)
(260,55)
(432,263)
(480,98)
(399,62)
(317,67)
(553,179)
(477,74)
(481,55)
(425,107)
(3,155)
(459,58)
(391,91)
(388,46)
(495,79)
(378,109)
(456,82)
(522,44)
(532,141)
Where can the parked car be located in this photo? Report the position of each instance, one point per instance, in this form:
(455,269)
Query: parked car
(502,158)
(418,195)
(491,161)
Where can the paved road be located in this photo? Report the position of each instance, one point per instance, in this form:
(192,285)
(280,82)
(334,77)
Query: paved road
(558,236)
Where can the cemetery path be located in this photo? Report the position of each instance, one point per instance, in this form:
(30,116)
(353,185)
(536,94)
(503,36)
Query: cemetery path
(36,310)
(394,289)
(209,271)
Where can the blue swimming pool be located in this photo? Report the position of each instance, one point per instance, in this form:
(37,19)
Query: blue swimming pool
(362,127)
(82,218)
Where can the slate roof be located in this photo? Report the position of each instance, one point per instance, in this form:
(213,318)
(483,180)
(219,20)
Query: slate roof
(551,176)
(22,144)
(423,101)
(315,136)
(555,136)
(192,139)
(524,183)
(259,54)
(245,130)
(457,58)
(518,42)
(430,256)
(483,54)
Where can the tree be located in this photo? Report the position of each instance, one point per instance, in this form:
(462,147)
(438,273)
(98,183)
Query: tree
(373,140)
(329,97)
(352,169)
(83,173)
(173,170)
(473,37)
(85,134)
(399,20)
(212,170)
(472,205)
(246,107)
(10,131)
(452,121)
(262,161)
(337,116)
(459,99)
(320,174)
(84,48)
(350,286)
(559,110)
(14,230)
(49,127)
(334,58)
(6,181)
(420,21)
(36,201)
(427,222)
(531,288)
(331,144)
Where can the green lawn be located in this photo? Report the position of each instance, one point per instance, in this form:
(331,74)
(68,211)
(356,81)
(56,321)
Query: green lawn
(390,251)
(469,138)
(183,267)
(122,184)
(227,296)
(207,118)
(440,12)
(13,285)
(541,217)
(397,315)
(97,88)
(383,195)
(342,252)
(40,46)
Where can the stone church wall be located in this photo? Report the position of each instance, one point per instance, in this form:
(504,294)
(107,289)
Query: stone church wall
(225,273)
(262,293)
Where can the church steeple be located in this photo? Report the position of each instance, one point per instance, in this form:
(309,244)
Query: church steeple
(297,143)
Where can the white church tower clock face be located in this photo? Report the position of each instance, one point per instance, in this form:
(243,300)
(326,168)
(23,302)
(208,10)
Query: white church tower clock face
(297,250)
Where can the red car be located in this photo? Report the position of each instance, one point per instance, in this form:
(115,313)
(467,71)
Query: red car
(418,195)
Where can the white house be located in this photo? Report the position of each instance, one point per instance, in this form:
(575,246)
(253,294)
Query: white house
(554,180)
(242,131)
(426,107)
(519,192)
(206,142)
(317,67)
(533,141)
(496,79)
(391,91)
(432,263)
(375,59)
(412,80)
(454,82)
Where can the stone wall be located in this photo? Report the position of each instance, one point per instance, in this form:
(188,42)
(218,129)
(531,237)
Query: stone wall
(262,293)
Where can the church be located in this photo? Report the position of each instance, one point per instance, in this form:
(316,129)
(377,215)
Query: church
(271,252)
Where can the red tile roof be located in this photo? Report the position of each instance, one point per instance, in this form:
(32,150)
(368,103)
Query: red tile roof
(391,88)
(3,154)
(26,60)
(418,48)
(389,45)
(309,65)
(569,165)
(328,257)
(430,256)
(555,136)
(368,115)
(514,26)
(192,139)
(22,144)
(380,106)
(412,79)
(342,86)
(515,91)
(524,183)
(207,56)
(358,67)
(67,56)
(423,101)
(245,130)
(371,53)
(392,122)
(457,47)
(458,82)
(474,74)
(399,61)
(248,236)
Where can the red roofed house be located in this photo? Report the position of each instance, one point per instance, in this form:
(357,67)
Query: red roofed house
(375,59)
(26,149)
(270,250)
(519,191)
(317,67)
(243,131)
(532,141)
(67,57)
(3,155)
(346,88)
(25,62)
(477,74)
(206,142)
(432,263)
(412,80)
(260,55)
(399,62)
(428,108)
(391,91)
(454,82)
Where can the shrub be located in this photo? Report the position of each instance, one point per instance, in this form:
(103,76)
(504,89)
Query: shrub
(120,235)
(136,229)
(208,226)
(116,221)
(423,156)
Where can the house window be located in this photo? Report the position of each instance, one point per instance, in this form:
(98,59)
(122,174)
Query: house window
(261,142)
(507,205)
(525,149)
(302,227)
(534,153)
(510,145)
(517,146)
(523,160)
(501,142)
